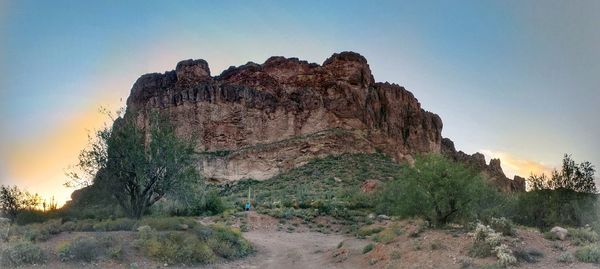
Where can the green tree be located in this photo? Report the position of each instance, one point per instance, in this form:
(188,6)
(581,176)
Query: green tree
(437,189)
(572,176)
(138,166)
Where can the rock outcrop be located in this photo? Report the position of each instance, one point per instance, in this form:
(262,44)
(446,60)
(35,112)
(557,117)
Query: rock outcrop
(256,120)
(493,170)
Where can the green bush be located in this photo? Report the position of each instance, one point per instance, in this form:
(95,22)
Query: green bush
(551,236)
(115,252)
(589,254)
(173,247)
(388,234)
(503,226)
(22,253)
(368,230)
(38,231)
(201,245)
(5,228)
(229,243)
(566,257)
(84,249)
(560,207)
(505,256)
(121,224)
(212,204)
(25,217)
(485,241)
(368,248)
(583,236)
(439,190)
(167,223)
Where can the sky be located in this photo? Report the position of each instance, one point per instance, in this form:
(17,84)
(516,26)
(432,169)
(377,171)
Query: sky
(516,80)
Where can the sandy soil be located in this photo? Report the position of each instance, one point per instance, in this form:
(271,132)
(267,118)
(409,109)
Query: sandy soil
(277,250)
(278,246)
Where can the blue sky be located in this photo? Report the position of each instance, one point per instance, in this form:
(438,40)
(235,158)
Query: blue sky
(515,79)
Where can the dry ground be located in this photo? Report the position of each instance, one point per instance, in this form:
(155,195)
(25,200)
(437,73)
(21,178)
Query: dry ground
(278,246)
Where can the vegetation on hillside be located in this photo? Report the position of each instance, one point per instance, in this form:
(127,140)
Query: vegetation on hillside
(327,186)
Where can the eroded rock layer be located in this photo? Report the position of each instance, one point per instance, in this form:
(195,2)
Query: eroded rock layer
(256,120)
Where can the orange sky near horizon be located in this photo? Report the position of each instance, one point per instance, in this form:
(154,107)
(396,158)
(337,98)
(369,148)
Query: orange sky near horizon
(40,164)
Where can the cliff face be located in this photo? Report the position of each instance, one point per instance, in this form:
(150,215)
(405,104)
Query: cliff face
(493,170)
(256,120)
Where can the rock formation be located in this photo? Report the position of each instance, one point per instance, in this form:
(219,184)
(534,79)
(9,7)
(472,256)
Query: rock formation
(257,120)
(493,170)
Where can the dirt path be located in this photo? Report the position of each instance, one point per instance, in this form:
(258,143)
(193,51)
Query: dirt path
(300,249)
(288,250)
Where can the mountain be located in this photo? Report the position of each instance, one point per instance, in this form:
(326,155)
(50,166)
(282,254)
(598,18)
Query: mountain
(258,120)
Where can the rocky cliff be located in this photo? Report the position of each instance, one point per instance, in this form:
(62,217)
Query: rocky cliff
(256,120)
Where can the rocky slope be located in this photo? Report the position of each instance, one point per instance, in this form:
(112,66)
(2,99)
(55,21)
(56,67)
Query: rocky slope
(256,120)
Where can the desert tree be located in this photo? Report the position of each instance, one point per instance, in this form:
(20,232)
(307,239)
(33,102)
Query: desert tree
(13,200)
(439,190)
(138,163)
(574,176)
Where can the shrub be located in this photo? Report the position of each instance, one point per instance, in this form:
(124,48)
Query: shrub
(25,217)
(35,233)
(505,256)
(84,249)
(368,248)
(68,226)
(368,230)
(560,207)
(168,223)
(439,190)
(566,257)
(503,226)
(212,205)
(551,236)
(173,247)
(121,224)
(395,255)
(22,253)
(485,241)
(436,244)
(589,253)
(229,243)
(86,225)
(583,236)
(529,255)
(196,246)
(38,231)
(388,234)
(115,252)
(4,229)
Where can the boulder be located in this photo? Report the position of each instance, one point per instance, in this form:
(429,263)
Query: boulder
(559,232)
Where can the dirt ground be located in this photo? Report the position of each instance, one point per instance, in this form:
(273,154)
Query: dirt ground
(294,245)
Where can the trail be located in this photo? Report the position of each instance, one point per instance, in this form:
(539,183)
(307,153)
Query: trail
(295,250)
